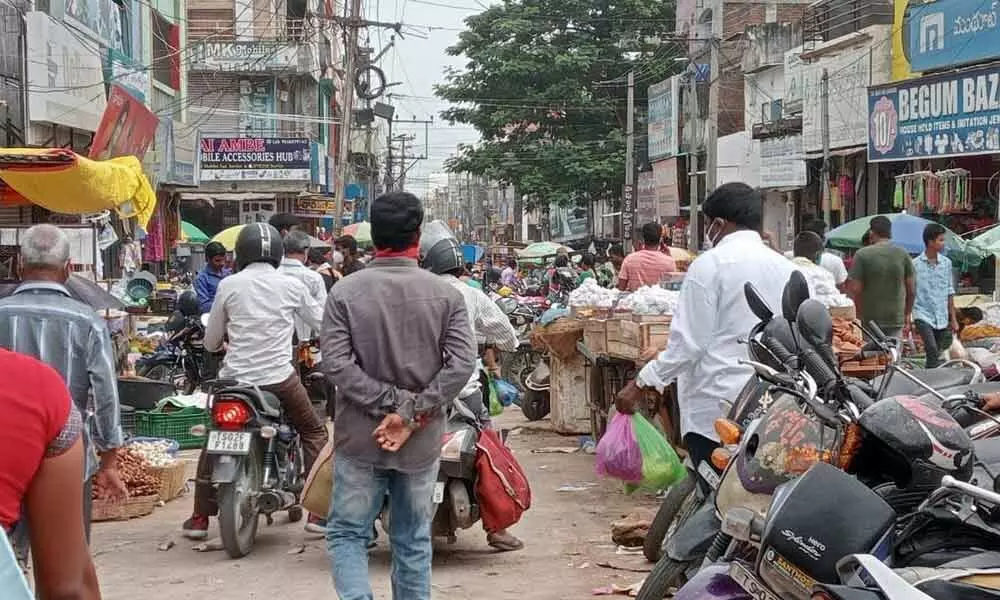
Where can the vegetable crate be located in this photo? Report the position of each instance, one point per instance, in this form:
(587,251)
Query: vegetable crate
(172,479)
(131,508)
(173,425)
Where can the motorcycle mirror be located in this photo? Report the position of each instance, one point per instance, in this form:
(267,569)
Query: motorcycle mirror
(204,320)
(814,323)
(758,306)
(795,293)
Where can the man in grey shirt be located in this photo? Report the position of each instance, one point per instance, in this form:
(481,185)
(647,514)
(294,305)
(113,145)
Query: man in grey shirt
(42,320)
(397,342)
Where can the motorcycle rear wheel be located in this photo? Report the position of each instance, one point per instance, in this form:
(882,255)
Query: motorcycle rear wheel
(238,520)
(677,506)
(668,573)
(535,405)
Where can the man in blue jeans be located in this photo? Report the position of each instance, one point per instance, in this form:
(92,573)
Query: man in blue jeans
(934,315)
(396,342)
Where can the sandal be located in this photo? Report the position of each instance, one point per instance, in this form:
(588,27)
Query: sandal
(504,542)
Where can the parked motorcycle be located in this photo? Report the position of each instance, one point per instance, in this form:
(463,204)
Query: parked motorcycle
(899,446)
(256,461)
(456,506)
(181,359)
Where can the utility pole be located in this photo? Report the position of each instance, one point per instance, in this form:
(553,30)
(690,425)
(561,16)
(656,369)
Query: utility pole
(628,192)
(401,184)
(824,106)
(347,119)
(712,143)
(694,177)
(388,160)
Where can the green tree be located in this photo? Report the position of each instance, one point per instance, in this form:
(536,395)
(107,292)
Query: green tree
(545,87)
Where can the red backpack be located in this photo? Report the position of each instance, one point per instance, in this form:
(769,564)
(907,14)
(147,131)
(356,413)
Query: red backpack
(502,487)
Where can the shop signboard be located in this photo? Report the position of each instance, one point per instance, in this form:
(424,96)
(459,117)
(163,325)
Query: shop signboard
(628,211)
(949,33)
(781,162)
(254,159)
(101,19)
(127,127)
(645,198)
(567,222)
(245,57)
(315,207)
(668,196)
(663,102)
(122,70)
(65,75)
(953,114)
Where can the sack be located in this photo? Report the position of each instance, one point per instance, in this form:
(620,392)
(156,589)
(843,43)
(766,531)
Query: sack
(661,467)
(318,489)
(502,487)
(618,452)
(508,392)
(495,406)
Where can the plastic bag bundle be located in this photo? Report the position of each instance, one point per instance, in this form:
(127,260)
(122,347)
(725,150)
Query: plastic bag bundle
(618,453)
(661,467)
(508,392)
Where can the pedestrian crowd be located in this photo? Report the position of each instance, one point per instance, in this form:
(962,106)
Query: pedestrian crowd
(375,319)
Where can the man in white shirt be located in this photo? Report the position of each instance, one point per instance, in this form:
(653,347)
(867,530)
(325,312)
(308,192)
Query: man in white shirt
(256,310)
(703,350)
(441,253)
(822,286)
(830,261)
(296,245)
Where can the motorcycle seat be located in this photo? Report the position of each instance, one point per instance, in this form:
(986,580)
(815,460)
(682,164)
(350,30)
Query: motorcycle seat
(269,404)
(955,590)
(979,560)
(937,379)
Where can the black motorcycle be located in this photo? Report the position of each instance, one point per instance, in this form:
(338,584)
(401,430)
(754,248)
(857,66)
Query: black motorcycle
(256,461)
(181,359)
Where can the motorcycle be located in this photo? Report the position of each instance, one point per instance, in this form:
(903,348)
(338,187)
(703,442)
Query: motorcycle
(897,441)
(181,359)
(256,461)
(454,498)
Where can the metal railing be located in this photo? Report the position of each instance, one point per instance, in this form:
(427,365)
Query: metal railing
(830,19)
(287,30)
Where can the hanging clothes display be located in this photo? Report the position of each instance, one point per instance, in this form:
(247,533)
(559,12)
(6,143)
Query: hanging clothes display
(944,191)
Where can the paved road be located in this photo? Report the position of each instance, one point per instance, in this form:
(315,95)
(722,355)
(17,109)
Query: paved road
(566,535)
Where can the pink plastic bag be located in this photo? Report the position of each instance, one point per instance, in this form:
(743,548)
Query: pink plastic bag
(618,453)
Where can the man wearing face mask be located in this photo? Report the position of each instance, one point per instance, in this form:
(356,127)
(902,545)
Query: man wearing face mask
(703,351)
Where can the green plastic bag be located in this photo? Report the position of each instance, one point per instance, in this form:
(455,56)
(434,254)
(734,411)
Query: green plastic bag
(496,407)
(661,467)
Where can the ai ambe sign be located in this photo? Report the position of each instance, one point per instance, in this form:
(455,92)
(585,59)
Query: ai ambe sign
(954,114)
(947,33)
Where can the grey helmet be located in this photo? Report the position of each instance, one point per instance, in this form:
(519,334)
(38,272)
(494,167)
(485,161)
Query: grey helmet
(258,242)
(440,251)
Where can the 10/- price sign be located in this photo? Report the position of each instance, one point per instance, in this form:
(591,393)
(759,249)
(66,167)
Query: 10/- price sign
(628,215)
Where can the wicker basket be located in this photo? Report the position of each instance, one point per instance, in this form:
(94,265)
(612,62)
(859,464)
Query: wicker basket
(140,506)
(172,479)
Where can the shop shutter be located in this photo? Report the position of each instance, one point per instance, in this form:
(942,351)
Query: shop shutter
(12,215)
(210,93)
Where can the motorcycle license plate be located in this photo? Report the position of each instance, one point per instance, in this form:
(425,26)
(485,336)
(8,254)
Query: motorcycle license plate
(228,442)
(749,583)
(439,492)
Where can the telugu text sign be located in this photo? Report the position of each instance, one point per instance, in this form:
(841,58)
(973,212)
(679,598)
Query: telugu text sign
(254,159)
(955,114)
(949,33)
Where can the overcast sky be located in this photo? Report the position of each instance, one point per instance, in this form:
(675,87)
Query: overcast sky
(417,64)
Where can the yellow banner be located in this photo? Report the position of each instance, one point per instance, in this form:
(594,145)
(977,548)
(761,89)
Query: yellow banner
(900,64)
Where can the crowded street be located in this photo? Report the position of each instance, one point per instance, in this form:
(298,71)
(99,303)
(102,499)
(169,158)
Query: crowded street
(568,549)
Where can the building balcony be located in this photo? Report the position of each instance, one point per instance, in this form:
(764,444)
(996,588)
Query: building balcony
(828,20)
(276,30)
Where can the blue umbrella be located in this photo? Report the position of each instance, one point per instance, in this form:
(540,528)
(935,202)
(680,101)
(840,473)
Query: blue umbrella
(907,233)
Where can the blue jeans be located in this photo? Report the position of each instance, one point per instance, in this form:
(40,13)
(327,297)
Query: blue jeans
(359,491)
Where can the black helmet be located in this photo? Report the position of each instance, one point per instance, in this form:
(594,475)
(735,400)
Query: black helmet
(440,251)
(188,304)
(258,242)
